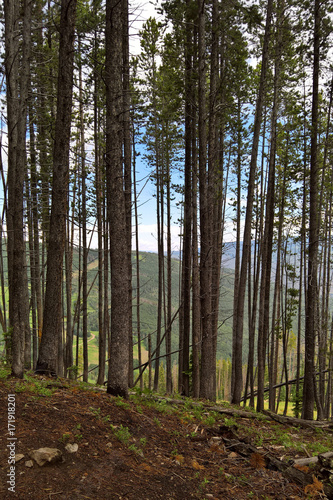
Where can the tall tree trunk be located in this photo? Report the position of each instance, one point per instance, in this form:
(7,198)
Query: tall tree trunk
(196,313)
(119,354)
(99,199)
(208,371)
(169,285)
(187,237)
(238,331)
(160,253)
(17,81)
(269,226)
(311,302)
(106,266)
(215,182)
(128,176)
(52,322)
(84,229)
(237,253)
(137,260)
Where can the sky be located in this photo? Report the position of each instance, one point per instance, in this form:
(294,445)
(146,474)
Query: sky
(139,13)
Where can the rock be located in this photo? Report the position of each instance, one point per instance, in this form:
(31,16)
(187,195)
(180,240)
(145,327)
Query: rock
(46,456)
(29,463)
(216,439)
(18,457)
(72,448)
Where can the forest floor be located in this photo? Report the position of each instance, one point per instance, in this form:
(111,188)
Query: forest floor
(145,448)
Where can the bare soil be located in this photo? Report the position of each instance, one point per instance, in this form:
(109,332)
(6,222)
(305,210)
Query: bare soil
(140,449)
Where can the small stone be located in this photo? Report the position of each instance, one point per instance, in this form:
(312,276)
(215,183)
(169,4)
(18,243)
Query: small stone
(46,456)
(29,463)
(18,457)
(233,455)
(72,448)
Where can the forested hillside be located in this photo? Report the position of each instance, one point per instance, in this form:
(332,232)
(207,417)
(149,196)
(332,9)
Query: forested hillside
(148,306)
(202,126)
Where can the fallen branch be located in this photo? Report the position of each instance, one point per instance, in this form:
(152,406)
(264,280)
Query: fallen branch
(311,424)
(282,384)
(312,460)
(272,463)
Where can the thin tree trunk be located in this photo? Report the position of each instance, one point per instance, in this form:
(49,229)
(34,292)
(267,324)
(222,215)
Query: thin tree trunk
(159,203)
(264,306)
(208,371)
(99,198)
(215,182)
(35,271)
(137,260)
(237,360)
(196,306)
(237,252)
(128,177)
(84,233)
(311,302)
(169,285)
(187,237)
(17,81)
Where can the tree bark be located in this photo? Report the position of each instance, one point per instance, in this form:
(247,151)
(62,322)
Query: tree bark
(208,370)
(119,349)
(187,237)
(52,322)
(128,177)
(311,301)
(17,80)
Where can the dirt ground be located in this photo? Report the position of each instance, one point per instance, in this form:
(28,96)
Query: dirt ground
(139,449)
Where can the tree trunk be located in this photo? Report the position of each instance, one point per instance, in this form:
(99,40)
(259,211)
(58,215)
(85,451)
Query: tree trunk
(99,200)
(208,371)
(187,236)
(311,302)
(269,226)
(237,360)
(52,322)
(17,80)
(119,354)
(215,182)
(137,260)
(84,231)
(128,177)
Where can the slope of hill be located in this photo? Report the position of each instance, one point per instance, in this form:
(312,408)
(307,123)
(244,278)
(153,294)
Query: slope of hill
(148,448)
(148,302)
(149,298)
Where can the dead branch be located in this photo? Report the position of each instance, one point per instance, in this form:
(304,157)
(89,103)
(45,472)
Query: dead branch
(311,424)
